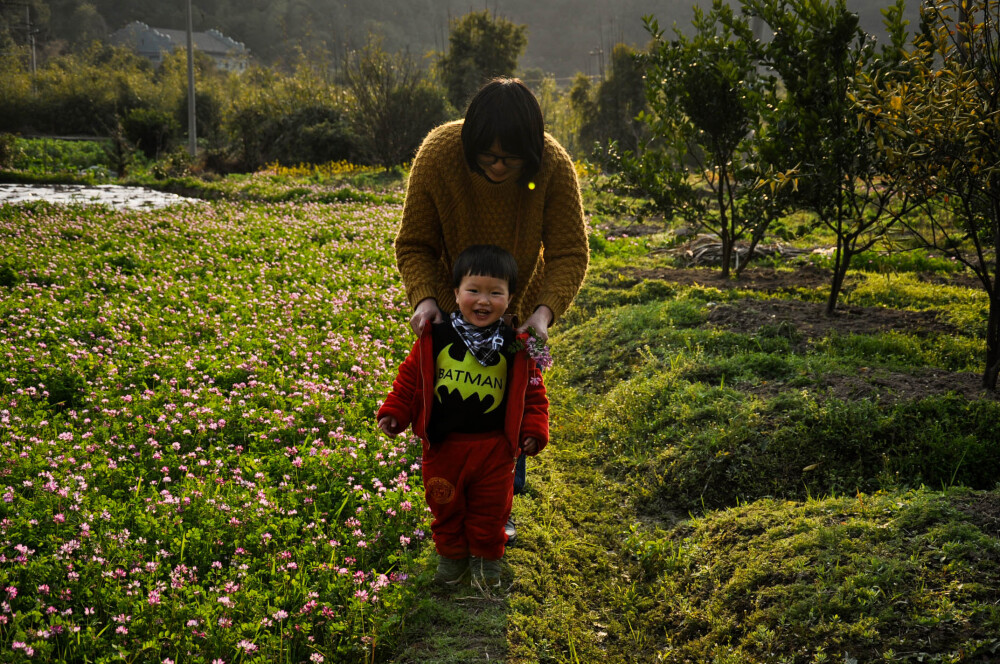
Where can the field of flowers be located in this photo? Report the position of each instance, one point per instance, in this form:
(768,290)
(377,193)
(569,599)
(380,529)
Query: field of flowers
(189,469)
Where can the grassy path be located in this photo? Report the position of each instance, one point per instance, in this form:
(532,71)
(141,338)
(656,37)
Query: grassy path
(569,593)
(802,546)
(572,600)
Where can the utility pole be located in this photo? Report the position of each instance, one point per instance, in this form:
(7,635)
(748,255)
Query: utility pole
(192,124)
(31,36)
(599,53)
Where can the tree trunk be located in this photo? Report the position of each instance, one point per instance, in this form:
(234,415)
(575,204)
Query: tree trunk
(751,250)
(840,265)
(992,342)
(725,226)
(993,324)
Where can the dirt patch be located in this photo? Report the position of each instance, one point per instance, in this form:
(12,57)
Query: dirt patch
(794,318)
(889,387)
(964,280)
(764,278)
(772,280)
(982,510)
(803,322)
(636,229)
(807,320)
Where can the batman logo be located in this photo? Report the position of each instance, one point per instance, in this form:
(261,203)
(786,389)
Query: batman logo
(470,377)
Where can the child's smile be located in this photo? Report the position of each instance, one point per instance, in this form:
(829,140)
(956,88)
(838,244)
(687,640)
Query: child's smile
(481,299)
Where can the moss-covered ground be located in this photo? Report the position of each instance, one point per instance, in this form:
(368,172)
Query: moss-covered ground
(734,478)
(732,489)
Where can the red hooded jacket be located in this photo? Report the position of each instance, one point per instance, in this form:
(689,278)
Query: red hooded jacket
(412,395)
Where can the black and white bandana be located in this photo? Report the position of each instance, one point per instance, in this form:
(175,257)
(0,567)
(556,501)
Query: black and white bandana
(483,342)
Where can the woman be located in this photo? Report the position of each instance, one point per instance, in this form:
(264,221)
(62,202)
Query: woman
(496,178)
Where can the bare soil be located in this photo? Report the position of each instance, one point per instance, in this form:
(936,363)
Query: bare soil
(808,320)
(982,509)
(803,322)
(753,278)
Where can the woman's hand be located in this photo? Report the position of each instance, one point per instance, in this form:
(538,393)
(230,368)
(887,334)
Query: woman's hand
(529,445)
(538,321)
(427,310)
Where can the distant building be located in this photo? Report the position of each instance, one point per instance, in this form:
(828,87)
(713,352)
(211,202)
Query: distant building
(154,43)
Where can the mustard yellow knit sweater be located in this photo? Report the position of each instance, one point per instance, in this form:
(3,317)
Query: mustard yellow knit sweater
(449,207)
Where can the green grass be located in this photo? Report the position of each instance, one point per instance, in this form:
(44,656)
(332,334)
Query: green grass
(38,156)
(896,576)
(55,161)
(709,497)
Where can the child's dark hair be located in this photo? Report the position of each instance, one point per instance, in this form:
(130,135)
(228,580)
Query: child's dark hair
(486,260)
(505,110)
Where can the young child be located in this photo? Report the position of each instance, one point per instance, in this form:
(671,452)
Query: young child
(475,398)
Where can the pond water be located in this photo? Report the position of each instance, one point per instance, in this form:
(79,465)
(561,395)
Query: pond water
(103,194)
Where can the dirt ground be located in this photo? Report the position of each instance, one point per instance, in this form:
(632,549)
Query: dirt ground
(982,509)
(803,322)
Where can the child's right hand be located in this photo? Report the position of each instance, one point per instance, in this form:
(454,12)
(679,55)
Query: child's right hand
(389,425)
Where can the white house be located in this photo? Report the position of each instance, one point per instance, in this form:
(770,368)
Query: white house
(154,43)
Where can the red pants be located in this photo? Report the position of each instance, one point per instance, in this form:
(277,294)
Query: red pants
(469,486)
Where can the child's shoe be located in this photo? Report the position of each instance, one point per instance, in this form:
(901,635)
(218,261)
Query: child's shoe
(511,530)
(451,571)
(485,573)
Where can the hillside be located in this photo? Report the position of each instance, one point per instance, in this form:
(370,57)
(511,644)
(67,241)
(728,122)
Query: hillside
(564,36)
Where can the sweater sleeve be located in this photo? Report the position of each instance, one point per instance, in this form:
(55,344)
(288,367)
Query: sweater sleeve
(420,242)
(566,250)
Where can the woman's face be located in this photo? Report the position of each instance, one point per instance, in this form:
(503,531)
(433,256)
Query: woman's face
(499,165)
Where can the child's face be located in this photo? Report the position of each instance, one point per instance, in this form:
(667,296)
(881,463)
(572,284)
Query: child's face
(482,300)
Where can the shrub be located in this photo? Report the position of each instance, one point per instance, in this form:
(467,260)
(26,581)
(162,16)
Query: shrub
(314,135)
(698,445)
(874,577)
(150,130)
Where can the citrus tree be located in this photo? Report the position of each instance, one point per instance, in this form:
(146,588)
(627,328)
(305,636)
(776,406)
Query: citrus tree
(706,102)
(937,117)
(609,110)
(480,46)
(817,144)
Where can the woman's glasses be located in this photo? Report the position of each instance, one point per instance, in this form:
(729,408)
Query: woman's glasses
(487,159)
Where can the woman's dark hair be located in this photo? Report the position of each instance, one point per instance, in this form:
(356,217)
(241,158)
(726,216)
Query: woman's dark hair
(486,260)
(505,109)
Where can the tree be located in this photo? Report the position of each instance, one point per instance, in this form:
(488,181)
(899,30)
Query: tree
(289,119)
(15,87)
(560,119)
(394,104)
(937,121)
(706,100)
(151,130)
(480,47)
(817,50)
(16,17)
(88,24)
(86,92)
(581,102)
(613,113)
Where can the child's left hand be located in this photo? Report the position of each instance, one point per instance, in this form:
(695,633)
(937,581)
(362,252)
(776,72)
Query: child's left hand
(529,445)
(389,425)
